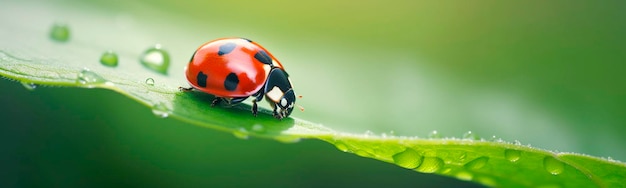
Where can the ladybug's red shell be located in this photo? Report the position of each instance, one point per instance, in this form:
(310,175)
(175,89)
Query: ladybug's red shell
(230,67)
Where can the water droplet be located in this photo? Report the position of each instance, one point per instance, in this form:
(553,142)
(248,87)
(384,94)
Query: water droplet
(408,158)
(341,146)
(470,136)
(486,181)
(430,165)
(363,153)
(87,77)
(29,85)
(241,133)
(60,32)
(257,128)
(287,139)
(464,175)
(161,110)
(477,163)
(150,81)
(156,59)
(369,133)
(512,155)
(434,135)
(553,166)
(517,142)
(463,157)
(109,58)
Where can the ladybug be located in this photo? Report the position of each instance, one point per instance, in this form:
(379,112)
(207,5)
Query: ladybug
(233,69)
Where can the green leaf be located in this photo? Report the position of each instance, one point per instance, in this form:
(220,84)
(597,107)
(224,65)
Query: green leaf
(36,54)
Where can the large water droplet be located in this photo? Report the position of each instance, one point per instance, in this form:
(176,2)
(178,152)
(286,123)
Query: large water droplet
(161,110)
(430,165)
(434,135)
(29,85)
(109,58)
(150,81)
(408,158)
(156,59)
(87,77)
(241,133)
(477,163)
(512,155)
(60,32)
(553,166)
(470,136)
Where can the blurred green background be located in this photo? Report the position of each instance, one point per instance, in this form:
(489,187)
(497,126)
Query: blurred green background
(546,73)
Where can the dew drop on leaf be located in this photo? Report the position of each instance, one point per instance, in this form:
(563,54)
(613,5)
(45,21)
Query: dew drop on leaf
(160,110)
(430,165)
(477,163)
(241,133)
(257,128)
(434,135)
(150,81)
(464,175)
(88,77)
(341,146)
(287,139)
(156,59)
(553,166)
(29,85)
(408,158)
(469,135)
(60,32)
(512,155)
(109,58)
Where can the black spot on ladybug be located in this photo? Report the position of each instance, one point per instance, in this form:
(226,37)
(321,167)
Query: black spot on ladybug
(226,48)
(201,79)
(231,82)
(263,57)
(246,39)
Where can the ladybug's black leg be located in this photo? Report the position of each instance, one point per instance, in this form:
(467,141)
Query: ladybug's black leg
(257,98)
(185,89)
(216,101)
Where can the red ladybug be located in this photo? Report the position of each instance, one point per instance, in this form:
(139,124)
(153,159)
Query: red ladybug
(233,69)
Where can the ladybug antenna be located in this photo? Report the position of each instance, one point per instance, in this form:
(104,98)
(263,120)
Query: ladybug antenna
(300,107)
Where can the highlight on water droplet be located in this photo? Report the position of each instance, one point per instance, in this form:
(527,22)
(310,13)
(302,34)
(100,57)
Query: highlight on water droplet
(241,133)
(109,58)
(156,59)
(470,136)
(29,85)
(161,110)
(434,134)
(553,166)
(430,165)
(150,81)
(60,32)
(477,163)
(512,155)
(87,77)
(408,158)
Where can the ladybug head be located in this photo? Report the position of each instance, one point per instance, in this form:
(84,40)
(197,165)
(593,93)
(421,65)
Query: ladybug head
(279,93)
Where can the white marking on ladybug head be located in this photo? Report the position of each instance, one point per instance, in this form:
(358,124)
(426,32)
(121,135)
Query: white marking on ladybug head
(283,102)
(275,94)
